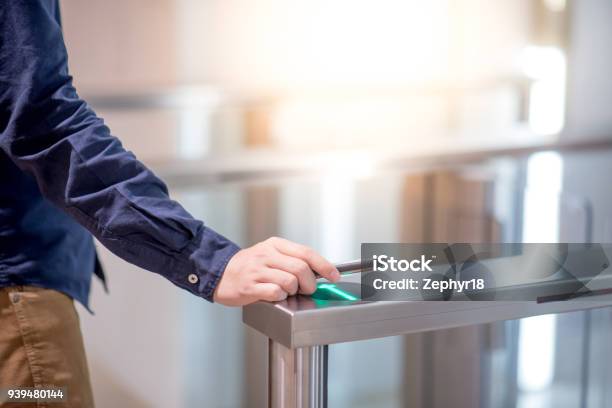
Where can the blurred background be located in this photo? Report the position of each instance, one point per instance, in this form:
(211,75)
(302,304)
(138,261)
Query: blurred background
(336,122)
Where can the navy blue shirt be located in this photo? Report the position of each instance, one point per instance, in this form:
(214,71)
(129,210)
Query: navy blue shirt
(64,177)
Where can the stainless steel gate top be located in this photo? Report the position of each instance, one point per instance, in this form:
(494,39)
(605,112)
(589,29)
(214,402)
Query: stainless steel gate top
(301,321)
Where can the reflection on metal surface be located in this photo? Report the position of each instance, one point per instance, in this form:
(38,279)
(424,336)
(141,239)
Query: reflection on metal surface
(297,377)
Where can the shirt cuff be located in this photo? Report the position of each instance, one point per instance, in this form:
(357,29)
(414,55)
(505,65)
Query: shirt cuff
(209,254)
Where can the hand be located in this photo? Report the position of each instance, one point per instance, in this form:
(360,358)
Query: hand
(271,270)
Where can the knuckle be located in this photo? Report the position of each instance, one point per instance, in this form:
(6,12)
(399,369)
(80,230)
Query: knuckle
(291,281)
(305,268)
(301,268)
(309,289)
(252,269)
(260,255)
(243,291)
(276,292)
(295,266)
(264,250)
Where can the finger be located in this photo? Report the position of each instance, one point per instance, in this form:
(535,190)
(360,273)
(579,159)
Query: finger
(296,267)
(287,281)
(316,262)
(270,292)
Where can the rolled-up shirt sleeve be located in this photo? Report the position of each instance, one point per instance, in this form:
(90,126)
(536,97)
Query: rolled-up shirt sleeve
(52,134)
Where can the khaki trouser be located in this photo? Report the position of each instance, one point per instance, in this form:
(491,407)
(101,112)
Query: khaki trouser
(41,345)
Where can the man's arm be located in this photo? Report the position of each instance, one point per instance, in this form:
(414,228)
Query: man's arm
(49,132)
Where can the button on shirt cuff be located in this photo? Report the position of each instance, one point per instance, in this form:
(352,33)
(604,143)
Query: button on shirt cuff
(210,253)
